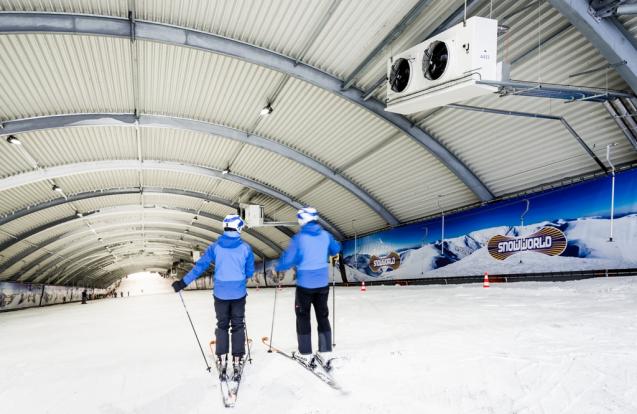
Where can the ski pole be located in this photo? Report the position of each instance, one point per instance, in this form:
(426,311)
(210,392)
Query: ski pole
(245,327)
(195,332)
(333,305)
(276,290)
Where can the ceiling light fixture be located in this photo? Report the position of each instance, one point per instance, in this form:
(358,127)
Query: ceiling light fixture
(267,110)
(11,139)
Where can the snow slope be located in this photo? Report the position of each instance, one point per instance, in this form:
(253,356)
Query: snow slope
(521,348)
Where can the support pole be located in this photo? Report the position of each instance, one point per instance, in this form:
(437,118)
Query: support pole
(612,191)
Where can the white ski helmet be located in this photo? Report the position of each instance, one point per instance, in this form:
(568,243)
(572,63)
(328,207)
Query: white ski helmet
(307,214)
(233,222)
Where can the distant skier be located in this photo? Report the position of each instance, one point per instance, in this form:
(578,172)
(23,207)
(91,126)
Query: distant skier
(309,251)
(234,264)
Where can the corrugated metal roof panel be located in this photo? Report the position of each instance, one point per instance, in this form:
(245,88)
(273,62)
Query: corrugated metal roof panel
(4,238)
(93,204)
(171,200)
(185,146)
(320,124)
(275,235)
(117,218)
(281,25)
(408,181)
(18,268)
(274,170)
(226,189)
(67,145)
(12,160)
(169,179)
(12,251)
(53,74)
(96,181)
(630,23)
(217,209)
(274,209)
(354,30)
(340,207)
(191,83)
(26,195)
(112,7)
(512,153)
(37,219)
(60,231)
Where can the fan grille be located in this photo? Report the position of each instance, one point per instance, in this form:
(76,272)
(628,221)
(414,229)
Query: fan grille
(435,59)
(400,74)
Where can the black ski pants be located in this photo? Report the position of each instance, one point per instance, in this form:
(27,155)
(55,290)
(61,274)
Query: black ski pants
(304,300)
(230,314)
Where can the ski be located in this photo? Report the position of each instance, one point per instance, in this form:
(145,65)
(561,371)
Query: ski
(317,369)
(229,386)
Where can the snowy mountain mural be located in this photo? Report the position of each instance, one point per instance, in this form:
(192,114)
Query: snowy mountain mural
(580,211)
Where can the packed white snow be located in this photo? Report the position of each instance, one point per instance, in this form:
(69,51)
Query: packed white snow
(517,348)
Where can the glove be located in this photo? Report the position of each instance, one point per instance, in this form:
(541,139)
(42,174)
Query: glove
(178,285)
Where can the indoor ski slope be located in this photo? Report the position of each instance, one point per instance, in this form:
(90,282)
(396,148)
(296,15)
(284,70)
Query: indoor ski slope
(518,348)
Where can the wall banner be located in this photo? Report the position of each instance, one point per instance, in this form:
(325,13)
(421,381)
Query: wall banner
(565,229)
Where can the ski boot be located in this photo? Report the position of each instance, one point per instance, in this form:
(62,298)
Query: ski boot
(237,366)
(222,363)
(306,359)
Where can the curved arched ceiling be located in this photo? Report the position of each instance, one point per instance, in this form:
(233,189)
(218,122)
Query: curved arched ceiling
(155,119)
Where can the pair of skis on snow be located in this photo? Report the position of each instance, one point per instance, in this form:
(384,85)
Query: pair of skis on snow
(229,385)
(317,366)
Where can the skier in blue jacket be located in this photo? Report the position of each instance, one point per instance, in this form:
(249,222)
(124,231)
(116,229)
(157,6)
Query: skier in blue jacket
(309,251)
(234,264)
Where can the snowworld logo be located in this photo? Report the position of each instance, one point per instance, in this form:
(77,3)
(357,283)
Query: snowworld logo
(549,240)
(383,263)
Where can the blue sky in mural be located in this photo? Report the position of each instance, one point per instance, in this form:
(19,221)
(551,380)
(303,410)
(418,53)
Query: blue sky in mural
(587,199)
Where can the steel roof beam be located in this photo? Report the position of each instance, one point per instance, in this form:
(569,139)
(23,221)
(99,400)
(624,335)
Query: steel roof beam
(66,170)
(11,22)
(112,212)
(90,274)
(564,122)
(96,267)
(76,258)
(158,121)
(95,263)
(89,249)
(78,275)
(92,195)
(605,35)
(126,191)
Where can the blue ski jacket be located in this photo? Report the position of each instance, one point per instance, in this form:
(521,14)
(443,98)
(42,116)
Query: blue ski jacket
(309,251)
(234,264)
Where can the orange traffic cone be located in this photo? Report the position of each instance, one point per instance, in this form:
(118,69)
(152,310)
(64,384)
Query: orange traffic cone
(363,288)
(486,280)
